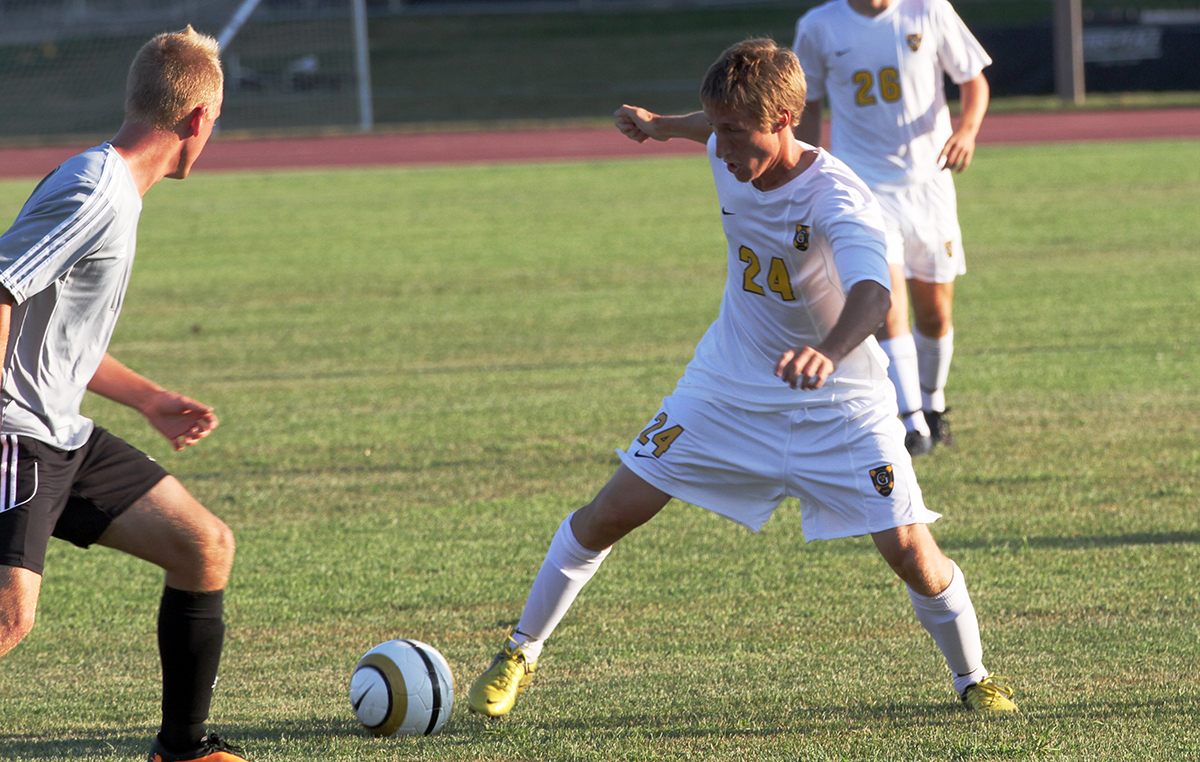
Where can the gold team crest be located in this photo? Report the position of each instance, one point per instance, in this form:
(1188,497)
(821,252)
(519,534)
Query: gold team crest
(801,239)
(882,479)
(950,248)
(914,42)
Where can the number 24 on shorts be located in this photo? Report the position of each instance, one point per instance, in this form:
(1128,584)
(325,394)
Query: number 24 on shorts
(663,438)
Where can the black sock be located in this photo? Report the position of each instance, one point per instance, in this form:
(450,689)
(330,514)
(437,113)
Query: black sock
(191,633)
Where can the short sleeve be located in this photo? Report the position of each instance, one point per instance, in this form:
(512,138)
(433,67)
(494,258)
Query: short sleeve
(959,53)
(856,235)
(808,49)
(56,228)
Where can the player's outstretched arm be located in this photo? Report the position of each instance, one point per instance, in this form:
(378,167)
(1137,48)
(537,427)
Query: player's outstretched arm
(866,306)
(182,420)
(641,125)
(960,148)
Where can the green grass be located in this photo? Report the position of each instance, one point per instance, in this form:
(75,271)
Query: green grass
(419,372)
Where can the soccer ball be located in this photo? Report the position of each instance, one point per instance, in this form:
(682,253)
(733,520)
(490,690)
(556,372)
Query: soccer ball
(402,687)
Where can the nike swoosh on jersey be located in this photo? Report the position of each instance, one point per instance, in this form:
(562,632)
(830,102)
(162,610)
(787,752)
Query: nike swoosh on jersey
(840,53)
(727,214)
(640,454)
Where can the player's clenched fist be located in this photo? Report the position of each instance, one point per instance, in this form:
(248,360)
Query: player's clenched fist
(804,368)
(637,124)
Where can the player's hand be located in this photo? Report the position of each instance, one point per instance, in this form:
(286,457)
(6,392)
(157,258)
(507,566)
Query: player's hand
(182,420)
(804,368)
(637,124)
(957,153)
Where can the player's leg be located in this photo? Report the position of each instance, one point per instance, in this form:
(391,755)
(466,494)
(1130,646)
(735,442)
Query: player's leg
(583,540)
(932,263)
(839,497)
(896,339)
(943,606)
(171,529)
(575,554)
(895,336)
(19,590)
(33,494)
(933,305)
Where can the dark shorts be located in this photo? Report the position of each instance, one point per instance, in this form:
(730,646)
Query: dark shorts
(70,494)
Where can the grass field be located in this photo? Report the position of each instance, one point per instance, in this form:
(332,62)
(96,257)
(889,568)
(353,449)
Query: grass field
(419,372)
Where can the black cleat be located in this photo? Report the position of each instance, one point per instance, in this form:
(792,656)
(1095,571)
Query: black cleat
(210,749)
(939,427)
(917,443)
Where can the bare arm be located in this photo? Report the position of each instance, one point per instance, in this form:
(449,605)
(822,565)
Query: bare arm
(809,129)
(641,125)
(807,367)
(180,419)
(960,148)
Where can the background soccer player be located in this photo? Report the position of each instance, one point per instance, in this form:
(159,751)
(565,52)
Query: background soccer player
(882,63)
(64,267)
(786,394)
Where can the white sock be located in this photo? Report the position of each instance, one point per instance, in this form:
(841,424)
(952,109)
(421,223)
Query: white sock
(933,362)
(950,618)
(567,568)
(902,370)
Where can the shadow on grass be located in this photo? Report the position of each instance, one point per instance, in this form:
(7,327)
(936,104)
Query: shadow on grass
(614,727)
(818,721)
(627,725)
(135,742)
(1073,543)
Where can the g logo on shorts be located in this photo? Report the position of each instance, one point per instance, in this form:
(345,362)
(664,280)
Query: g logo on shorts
(882,480)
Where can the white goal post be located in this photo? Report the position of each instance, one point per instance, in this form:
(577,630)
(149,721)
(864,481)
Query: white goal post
(289,64)
(362,56)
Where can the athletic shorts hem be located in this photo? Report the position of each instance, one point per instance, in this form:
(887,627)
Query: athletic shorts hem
(926,516)
(681,491)
(73,495)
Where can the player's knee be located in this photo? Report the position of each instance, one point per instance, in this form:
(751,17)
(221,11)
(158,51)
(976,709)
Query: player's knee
(901,560)
(615,518)
(601,523)
(924,569)
(218,547)
(931,323)
(15,623)
(203,557)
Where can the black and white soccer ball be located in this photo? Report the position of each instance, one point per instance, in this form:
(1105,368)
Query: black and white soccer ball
(402,687)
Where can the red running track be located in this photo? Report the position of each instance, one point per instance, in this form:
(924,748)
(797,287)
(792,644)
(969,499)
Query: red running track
(529,145)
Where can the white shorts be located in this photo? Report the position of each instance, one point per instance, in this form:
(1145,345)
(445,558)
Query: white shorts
(922,230)
(845,462)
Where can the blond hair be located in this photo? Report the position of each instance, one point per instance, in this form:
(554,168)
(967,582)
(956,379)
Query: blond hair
(758,79)
(171,75)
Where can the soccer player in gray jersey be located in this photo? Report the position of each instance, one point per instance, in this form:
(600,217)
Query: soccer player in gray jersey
(64,267)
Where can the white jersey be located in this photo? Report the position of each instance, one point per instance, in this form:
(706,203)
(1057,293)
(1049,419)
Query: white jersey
(794,252)
(66,261)
(883,76)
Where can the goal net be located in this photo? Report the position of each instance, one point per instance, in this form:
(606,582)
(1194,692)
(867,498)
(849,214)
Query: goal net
(63,63)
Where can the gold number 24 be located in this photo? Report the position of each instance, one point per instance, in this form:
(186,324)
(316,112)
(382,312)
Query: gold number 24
(663,439)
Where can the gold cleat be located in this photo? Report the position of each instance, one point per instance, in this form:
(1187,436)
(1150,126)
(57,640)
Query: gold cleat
(495,691)
(989,695)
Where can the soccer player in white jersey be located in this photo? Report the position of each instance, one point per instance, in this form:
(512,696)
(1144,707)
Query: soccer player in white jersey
(64,267)
(881,63)
(787,394)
